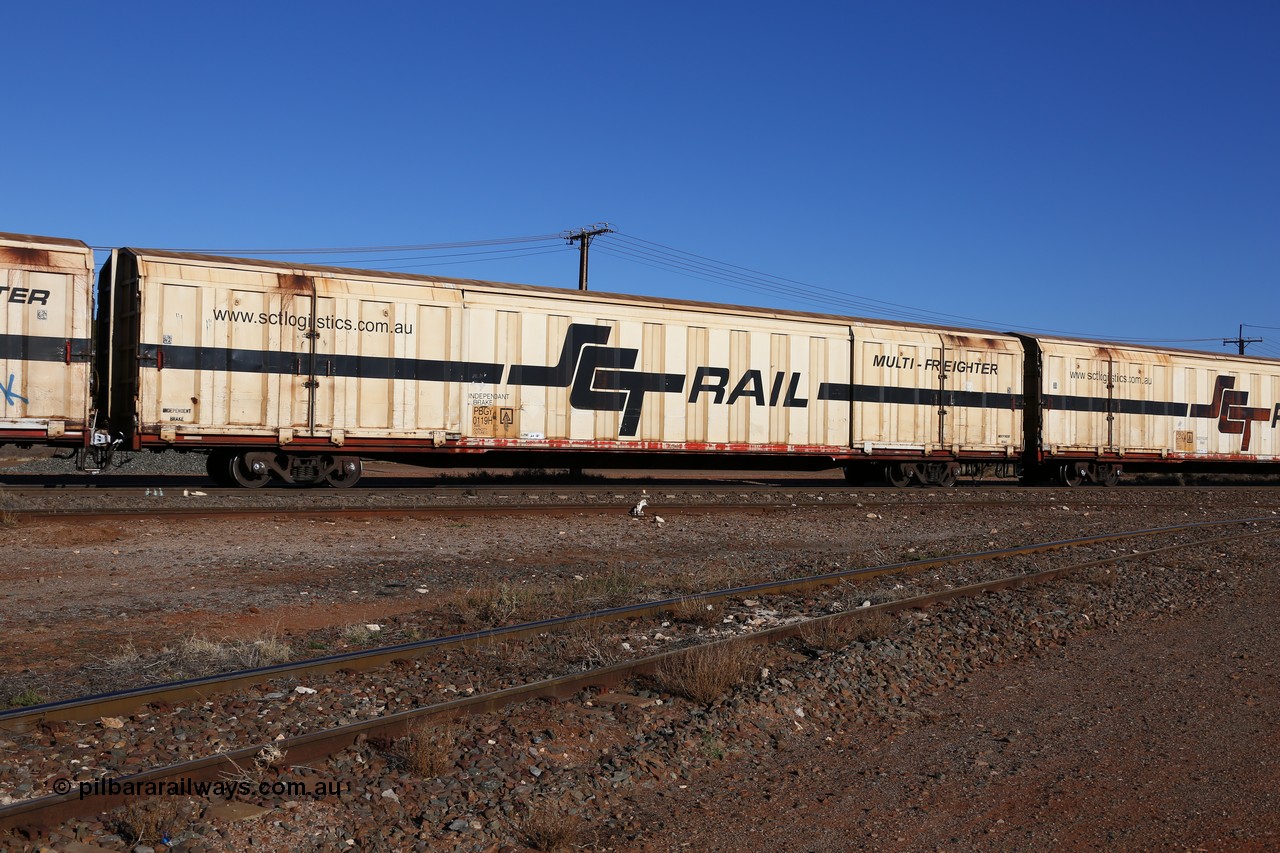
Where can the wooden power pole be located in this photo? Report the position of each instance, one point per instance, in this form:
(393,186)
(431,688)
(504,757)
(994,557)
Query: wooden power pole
(583,237)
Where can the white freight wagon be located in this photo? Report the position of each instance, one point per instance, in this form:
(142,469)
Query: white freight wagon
(296,372)
(45,347)
(1103,405)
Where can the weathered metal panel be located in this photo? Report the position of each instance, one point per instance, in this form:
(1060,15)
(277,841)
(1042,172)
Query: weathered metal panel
(1140,402)
(264,350)
(920,391)
(45,315)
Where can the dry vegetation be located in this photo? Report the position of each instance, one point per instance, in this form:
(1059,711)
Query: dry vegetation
(150,822)
(551,828)
(192,657)
(833,634)
(428,748)
(696,611)
(706,673)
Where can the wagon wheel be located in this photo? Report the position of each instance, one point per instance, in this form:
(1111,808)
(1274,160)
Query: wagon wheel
(948,477)
(1110,475)
(346,473)
(1070,475)
(898,476)
(246,476)
(218,465)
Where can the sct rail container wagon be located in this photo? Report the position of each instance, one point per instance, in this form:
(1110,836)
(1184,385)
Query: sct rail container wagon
(1100,406)
(296,373)
(45,318)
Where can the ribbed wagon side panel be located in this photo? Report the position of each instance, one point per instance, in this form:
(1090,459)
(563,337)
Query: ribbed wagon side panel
(1136,403)
(217,355)
(44,338)
(922,390)
(605,372)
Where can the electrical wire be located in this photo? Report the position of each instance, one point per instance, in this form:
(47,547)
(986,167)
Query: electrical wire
(657,255)
(364,250)
(654,255)
(558,249)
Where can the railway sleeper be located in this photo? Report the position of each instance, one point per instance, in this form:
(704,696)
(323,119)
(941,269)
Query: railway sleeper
(254,469)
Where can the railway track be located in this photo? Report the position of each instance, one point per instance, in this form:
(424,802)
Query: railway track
(21,505)
(311,745)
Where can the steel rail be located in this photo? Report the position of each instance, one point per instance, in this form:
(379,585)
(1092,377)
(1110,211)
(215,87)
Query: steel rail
(452,510)
(83,709)
(56,808)
(415,510)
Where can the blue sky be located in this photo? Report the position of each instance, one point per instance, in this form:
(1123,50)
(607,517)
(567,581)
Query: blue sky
(1099,169)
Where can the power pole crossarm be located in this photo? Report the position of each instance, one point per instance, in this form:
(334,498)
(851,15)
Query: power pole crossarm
(1240,340)
(584,236)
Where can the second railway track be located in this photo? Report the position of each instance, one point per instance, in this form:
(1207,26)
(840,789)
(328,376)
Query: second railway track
(317,742)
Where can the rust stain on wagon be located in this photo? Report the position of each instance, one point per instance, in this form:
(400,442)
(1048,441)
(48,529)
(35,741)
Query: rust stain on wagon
(294,283)
(972,342)
(21,257)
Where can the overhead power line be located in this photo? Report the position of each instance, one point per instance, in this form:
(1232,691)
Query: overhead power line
(692,265)
(675,261)
(365,250)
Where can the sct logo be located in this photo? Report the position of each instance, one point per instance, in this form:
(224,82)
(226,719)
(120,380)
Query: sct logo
(601,378)
(1229,407)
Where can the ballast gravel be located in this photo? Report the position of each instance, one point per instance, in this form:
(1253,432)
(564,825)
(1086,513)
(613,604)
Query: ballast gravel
(1134,708)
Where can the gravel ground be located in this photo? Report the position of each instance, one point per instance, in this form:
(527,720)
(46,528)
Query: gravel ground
(1135,709)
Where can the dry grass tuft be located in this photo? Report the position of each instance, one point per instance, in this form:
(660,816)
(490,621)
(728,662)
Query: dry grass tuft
(149,822)
(705,673)
(192,657)
(551,828)
(584,645)
(865,627)
(498,605)
(829,635)
(253,775)
(198,653)
(695,611)
(427,749)
(724,574)
(598,590)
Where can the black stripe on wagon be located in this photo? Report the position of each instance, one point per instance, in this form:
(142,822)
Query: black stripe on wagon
(978,400)
(1121,407)
(299,364)
(40,348)
(916,396)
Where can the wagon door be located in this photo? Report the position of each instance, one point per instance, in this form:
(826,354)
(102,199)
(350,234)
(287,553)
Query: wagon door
(301,344)
(978,379)
(221,361)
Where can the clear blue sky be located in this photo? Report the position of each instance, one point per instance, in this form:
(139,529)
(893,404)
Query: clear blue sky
(1104,169)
